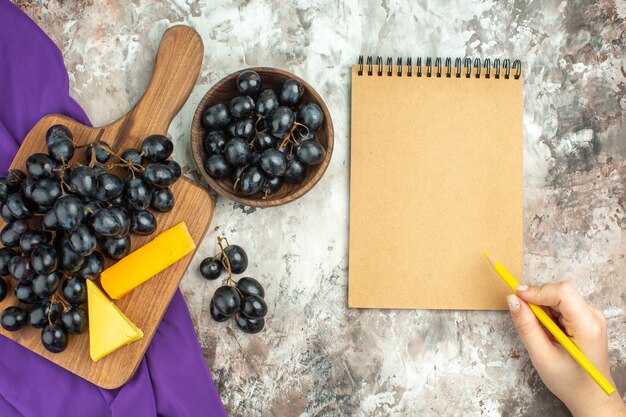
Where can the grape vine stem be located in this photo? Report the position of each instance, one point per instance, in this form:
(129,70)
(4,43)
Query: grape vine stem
(290,138)
(225,260)
(226,263)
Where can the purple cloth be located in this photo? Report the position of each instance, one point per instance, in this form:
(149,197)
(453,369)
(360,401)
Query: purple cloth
(172,379)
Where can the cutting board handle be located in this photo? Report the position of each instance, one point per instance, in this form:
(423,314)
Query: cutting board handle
(176,70)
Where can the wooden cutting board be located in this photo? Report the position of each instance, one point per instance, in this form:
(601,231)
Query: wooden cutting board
(175,73)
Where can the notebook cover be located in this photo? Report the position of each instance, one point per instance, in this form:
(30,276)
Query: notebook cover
(436,180)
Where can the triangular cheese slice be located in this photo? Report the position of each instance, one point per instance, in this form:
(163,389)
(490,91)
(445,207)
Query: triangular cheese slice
(109,328)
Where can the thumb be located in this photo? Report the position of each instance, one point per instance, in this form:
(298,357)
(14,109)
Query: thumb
(532,335)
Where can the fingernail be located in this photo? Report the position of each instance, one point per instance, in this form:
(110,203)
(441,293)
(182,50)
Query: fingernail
(513,303)
(521,287)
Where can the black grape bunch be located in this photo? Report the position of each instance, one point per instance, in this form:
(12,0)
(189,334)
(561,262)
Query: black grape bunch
(262,138)
(243,299)
(64,218)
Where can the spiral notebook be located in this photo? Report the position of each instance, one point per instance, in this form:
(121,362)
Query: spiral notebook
(436,180)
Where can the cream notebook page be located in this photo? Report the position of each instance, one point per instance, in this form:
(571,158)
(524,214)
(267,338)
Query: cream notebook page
(436,180)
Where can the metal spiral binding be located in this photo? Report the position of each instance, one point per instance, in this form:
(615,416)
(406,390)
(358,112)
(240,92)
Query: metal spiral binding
(457,64)
(466,65)
(477,65)
(517,65)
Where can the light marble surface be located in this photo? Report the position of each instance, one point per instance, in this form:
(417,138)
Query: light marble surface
(317,357)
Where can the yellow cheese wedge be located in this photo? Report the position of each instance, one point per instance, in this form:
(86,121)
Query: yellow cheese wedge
(109,328)
(147,261)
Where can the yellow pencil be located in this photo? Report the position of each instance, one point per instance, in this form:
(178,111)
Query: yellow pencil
(556,331)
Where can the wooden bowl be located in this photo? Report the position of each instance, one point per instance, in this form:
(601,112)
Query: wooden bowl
(225,90)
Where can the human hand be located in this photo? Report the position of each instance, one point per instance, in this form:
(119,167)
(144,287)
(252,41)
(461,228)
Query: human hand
(586,326)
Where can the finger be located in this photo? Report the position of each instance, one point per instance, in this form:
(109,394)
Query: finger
(551,314)
(598,313)
(554,315)
(563,325)
(532,335)
(561,296)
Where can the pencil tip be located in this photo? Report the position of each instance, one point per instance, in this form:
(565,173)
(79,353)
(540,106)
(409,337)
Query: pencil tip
(489,259)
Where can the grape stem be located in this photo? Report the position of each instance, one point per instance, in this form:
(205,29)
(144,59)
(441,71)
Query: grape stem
(52,301)
(252,142)
(130,165)
(256,124)
(226,263)
(92,161)
(95,141)
(236,183)
(61,171)
(225,260)
(290,137)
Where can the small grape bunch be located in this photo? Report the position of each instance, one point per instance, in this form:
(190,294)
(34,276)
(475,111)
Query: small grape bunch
(243,299)
(64,217)
(262,138)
